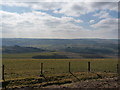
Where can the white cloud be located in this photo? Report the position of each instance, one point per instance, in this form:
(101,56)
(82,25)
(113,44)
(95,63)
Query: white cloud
(46,5)
(91,21)
(106,28)
(68,8)
(36,24)
(75,9)
(105,5)
(42,25)
(60,1)
(108,23)
(78,9)
(18,4)
(102,14)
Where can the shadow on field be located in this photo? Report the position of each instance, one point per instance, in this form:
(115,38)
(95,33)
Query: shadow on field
(74,76)
(42,75)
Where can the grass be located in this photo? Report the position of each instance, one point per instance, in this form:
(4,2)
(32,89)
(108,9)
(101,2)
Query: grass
(29,55)
(56,79)
(20,67)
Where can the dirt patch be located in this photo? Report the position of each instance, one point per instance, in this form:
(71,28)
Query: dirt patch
(100,83)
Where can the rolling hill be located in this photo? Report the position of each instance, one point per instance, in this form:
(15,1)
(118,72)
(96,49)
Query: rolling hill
(72,48)
(19,49)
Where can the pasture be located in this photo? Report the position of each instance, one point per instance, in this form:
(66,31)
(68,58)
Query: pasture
(22,65)
(23,70)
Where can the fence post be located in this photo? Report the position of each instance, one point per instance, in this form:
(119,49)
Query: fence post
(69,67)
(3,78)
(3,73)
(88,66)
(117,68)
(41,68)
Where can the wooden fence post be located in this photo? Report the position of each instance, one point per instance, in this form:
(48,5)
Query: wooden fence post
(88,66)
(117,68)
(41,68)
(3,73)
(69,67)
(3,78)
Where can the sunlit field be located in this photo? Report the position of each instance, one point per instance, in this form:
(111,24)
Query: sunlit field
(22,65)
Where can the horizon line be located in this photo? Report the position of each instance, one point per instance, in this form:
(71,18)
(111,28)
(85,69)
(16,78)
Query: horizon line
(56,38)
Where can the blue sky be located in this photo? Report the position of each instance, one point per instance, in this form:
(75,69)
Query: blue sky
(60,20)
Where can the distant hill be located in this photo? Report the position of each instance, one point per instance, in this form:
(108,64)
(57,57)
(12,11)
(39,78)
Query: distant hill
(30,41)
(54,56)
(86,48)
(19,49)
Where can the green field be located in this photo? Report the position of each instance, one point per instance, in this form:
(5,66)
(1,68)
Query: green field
(22,66)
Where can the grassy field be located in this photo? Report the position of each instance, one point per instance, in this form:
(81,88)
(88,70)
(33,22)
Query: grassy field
(22,65)
(19,67)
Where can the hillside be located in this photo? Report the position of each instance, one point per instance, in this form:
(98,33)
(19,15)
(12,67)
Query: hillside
(19,49)
(30,41)
(72,48)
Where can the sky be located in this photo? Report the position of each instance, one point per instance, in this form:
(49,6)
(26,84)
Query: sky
(61,20)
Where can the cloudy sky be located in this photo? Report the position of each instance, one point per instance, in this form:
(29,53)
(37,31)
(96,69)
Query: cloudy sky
(60,20)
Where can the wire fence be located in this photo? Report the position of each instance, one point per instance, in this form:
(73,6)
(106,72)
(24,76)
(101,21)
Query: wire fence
(44,69)
(56,68)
